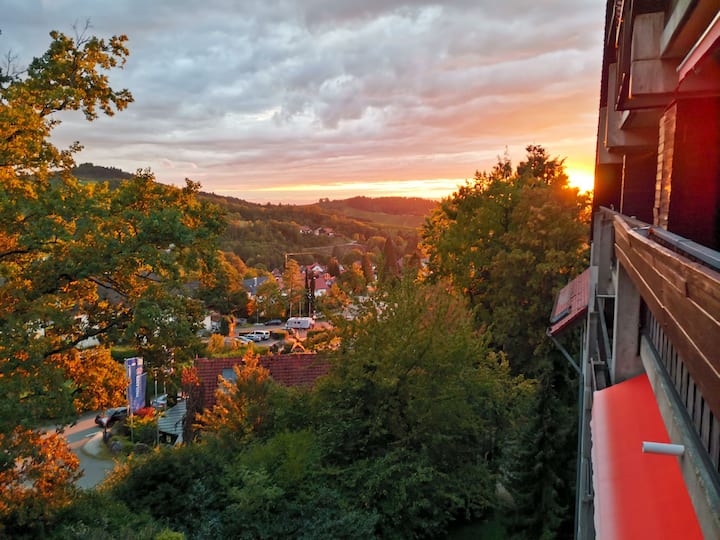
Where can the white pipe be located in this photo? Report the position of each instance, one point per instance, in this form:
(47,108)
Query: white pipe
(663,448)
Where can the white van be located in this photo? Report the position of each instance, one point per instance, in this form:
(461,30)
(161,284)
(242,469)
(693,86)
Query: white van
(300,322)
(259,335)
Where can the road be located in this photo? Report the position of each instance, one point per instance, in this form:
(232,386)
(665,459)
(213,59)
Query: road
(83,433)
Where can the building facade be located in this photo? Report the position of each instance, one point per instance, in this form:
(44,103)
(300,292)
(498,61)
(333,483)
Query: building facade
(649,312)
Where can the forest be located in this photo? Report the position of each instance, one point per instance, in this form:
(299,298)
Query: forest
(261,234)
(446,411)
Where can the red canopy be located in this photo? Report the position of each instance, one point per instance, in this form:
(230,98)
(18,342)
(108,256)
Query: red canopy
(637,495)
(571,303)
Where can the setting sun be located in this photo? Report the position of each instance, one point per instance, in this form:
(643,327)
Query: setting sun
(582,179)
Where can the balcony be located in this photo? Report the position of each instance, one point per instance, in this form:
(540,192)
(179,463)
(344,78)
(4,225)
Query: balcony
(654,311)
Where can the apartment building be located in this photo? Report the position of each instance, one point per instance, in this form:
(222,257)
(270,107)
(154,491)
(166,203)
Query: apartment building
(648,309)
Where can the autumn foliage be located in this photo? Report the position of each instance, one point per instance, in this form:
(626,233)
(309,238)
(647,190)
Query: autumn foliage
(36,478)
(99,380)
(241,405)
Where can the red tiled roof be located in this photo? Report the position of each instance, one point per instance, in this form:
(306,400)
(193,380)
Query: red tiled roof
(285,369)
(571,303)
(637,494)
(295,369)
(320,283)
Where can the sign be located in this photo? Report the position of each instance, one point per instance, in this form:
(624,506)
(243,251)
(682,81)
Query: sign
(137,382)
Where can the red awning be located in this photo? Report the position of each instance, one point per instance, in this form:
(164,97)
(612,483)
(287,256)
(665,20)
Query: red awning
(637,495)
(571,303)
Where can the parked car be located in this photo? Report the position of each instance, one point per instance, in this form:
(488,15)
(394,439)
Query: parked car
(259,335)
(159,402)
(273,322)
(110,416)
(243,340)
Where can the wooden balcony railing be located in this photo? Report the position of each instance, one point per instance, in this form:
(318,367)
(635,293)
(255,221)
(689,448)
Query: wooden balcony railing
(683,296)
(679,284)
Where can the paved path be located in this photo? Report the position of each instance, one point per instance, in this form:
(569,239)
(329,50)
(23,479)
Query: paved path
(85,440)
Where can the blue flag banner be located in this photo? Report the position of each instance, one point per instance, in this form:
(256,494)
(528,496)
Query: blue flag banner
(137,382)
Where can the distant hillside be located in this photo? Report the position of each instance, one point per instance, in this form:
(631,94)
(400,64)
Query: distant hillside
(403,212)
(98,173)
(412,206)
(264,234)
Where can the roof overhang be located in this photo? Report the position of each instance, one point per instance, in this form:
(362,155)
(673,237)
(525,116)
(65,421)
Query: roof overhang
(172,421)
(637,494)
(703,48)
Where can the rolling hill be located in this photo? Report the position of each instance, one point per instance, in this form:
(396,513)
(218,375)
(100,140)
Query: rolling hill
(262,234)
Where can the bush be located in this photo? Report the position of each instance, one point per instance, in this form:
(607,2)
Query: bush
(216,344)
(145,412)
(96,514)
(314,333)
(144,428)
(191,491)
(278,334)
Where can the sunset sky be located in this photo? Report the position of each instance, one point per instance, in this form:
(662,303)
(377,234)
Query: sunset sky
(291,101)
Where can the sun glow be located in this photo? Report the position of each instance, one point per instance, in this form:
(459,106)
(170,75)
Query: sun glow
(428,188)
(434,188)
(582,179)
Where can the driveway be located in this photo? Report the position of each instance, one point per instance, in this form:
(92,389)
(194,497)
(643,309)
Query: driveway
(85,440)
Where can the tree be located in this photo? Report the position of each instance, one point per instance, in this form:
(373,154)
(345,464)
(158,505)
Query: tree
(241,404)
(540,465)
(222,289)
(390,272)
(278,489)
(66,78)
(352,256)
(367,268)
(35,213)
(353,280)
(269,298)
(548,234)
(82,260)
(414,411)
(333,267)
(37,472)
(294,286)
(236,262)
(508,243)
(334,300)
(191,387)
(539,168)
(99,381)
(96,512)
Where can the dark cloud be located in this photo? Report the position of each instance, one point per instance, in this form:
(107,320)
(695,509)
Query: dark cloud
(244,94)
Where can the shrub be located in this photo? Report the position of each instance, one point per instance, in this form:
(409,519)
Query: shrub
(145,412)
(215,344)
(144,429)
